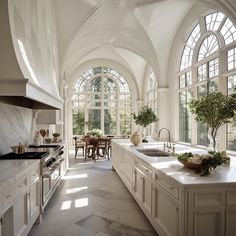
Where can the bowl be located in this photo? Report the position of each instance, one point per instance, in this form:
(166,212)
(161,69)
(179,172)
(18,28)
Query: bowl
(192,166)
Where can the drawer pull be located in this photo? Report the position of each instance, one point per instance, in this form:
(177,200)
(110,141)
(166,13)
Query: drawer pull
(171,188)
(9,196)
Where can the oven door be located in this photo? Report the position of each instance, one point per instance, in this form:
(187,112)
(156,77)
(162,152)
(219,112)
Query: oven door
(50,179)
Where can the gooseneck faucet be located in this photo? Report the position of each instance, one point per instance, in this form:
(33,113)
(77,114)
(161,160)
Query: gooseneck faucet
(159,133)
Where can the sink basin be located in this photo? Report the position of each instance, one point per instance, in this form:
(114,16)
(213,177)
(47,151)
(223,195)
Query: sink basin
(154,152)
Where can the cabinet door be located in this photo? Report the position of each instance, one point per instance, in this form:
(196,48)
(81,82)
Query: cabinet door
(206,213)
(138,185)
(34,200)
(20,213)
(143,190)
(165,212)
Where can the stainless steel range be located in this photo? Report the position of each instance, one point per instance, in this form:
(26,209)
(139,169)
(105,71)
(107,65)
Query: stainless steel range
(50,167)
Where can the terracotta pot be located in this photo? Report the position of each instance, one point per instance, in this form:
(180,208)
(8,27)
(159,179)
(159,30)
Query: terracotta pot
(136,138)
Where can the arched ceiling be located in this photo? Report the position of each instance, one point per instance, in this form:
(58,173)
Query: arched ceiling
(135,33)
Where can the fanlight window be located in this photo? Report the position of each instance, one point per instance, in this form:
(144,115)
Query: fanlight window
(209,46)
(102,99)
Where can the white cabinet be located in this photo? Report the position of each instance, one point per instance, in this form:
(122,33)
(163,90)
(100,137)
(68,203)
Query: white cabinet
(124,168)
(230,212)
(20,216)
(206,212)
(165,212)
(21,202)
(143,187)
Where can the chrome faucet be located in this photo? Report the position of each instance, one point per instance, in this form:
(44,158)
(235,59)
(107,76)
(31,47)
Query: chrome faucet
(159,133)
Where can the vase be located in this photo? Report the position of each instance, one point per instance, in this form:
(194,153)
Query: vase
(136,138)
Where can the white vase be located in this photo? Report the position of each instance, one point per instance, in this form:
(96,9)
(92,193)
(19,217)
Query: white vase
(136,138)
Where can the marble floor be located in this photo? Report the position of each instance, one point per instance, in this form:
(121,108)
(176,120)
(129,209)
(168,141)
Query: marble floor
(92,201)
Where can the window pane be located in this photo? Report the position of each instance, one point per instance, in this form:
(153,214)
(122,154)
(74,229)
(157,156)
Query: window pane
(110,122)
(213,68)
(231,59)
(94,119)
(229,32)
(202,73)
(214,20)
(202,135)
(78,122)
(213,86)
(231,127)
(109,85)
(125,121)
(184,117)
(95,85)
(202,90)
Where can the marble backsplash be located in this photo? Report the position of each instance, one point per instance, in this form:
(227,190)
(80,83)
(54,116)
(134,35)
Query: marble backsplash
(16,125)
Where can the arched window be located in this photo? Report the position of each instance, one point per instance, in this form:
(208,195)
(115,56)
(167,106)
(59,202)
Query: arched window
(211,43)
(101,99)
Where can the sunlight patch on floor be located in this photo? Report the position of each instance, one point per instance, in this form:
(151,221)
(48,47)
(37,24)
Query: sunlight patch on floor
(81,176)
(66,205)
(76,190)
(82,202)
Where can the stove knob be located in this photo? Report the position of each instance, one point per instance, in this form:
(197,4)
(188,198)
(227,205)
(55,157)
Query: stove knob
(53,159)
(48,163)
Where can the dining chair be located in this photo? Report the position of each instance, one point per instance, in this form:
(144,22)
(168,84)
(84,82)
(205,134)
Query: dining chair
(90,148)
(79,144)
(102,147)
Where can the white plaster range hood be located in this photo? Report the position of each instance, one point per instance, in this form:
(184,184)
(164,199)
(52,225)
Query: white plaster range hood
(15,88)
(21,92)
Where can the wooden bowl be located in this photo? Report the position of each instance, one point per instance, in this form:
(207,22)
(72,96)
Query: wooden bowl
(191,166)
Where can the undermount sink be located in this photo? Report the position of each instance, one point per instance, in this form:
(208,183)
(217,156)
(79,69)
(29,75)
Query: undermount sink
(154,152)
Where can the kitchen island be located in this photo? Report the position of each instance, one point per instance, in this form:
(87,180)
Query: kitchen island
(175,199)
(19,196)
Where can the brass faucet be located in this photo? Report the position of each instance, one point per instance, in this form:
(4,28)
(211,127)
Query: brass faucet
(159,133)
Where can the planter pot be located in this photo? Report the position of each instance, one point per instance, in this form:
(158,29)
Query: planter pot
(136,138)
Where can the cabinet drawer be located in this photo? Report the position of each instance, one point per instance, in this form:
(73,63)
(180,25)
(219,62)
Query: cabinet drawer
(208,198)
(11,193)
(169,187)
(144,169)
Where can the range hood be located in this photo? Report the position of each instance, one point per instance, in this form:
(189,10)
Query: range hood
(15,89)
(20,92)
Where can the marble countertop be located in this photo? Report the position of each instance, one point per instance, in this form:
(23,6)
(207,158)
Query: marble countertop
(13,170)
(225,174)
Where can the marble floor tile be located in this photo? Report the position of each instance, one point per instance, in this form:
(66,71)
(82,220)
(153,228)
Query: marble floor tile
(92,201)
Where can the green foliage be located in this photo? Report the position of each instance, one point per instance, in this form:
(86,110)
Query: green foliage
(214,110)
(206,162)
(95,132)
(145,116)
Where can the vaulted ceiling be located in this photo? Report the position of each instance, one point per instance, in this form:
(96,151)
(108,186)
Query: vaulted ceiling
(134,33)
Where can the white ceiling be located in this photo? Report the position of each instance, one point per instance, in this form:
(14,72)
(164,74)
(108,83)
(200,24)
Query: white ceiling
(120,30)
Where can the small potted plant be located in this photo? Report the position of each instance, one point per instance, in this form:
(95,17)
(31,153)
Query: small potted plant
(145,116)
(55,137)
(214,110)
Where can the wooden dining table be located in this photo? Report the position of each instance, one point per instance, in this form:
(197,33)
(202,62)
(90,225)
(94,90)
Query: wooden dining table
(96,147)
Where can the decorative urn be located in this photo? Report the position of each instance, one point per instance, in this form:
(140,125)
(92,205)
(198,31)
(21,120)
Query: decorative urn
(136,138)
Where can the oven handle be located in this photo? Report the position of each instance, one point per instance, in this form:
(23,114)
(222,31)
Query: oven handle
(48,173)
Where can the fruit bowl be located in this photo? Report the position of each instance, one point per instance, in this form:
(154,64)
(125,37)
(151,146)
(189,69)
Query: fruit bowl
(192,166)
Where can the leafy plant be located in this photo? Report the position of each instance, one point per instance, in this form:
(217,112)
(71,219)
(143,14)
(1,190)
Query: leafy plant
(203,163)
(215,110)
(145,116)
(95,132)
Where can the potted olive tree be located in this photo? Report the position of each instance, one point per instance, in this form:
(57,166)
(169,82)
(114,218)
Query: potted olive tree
(145,116)
(214,110)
